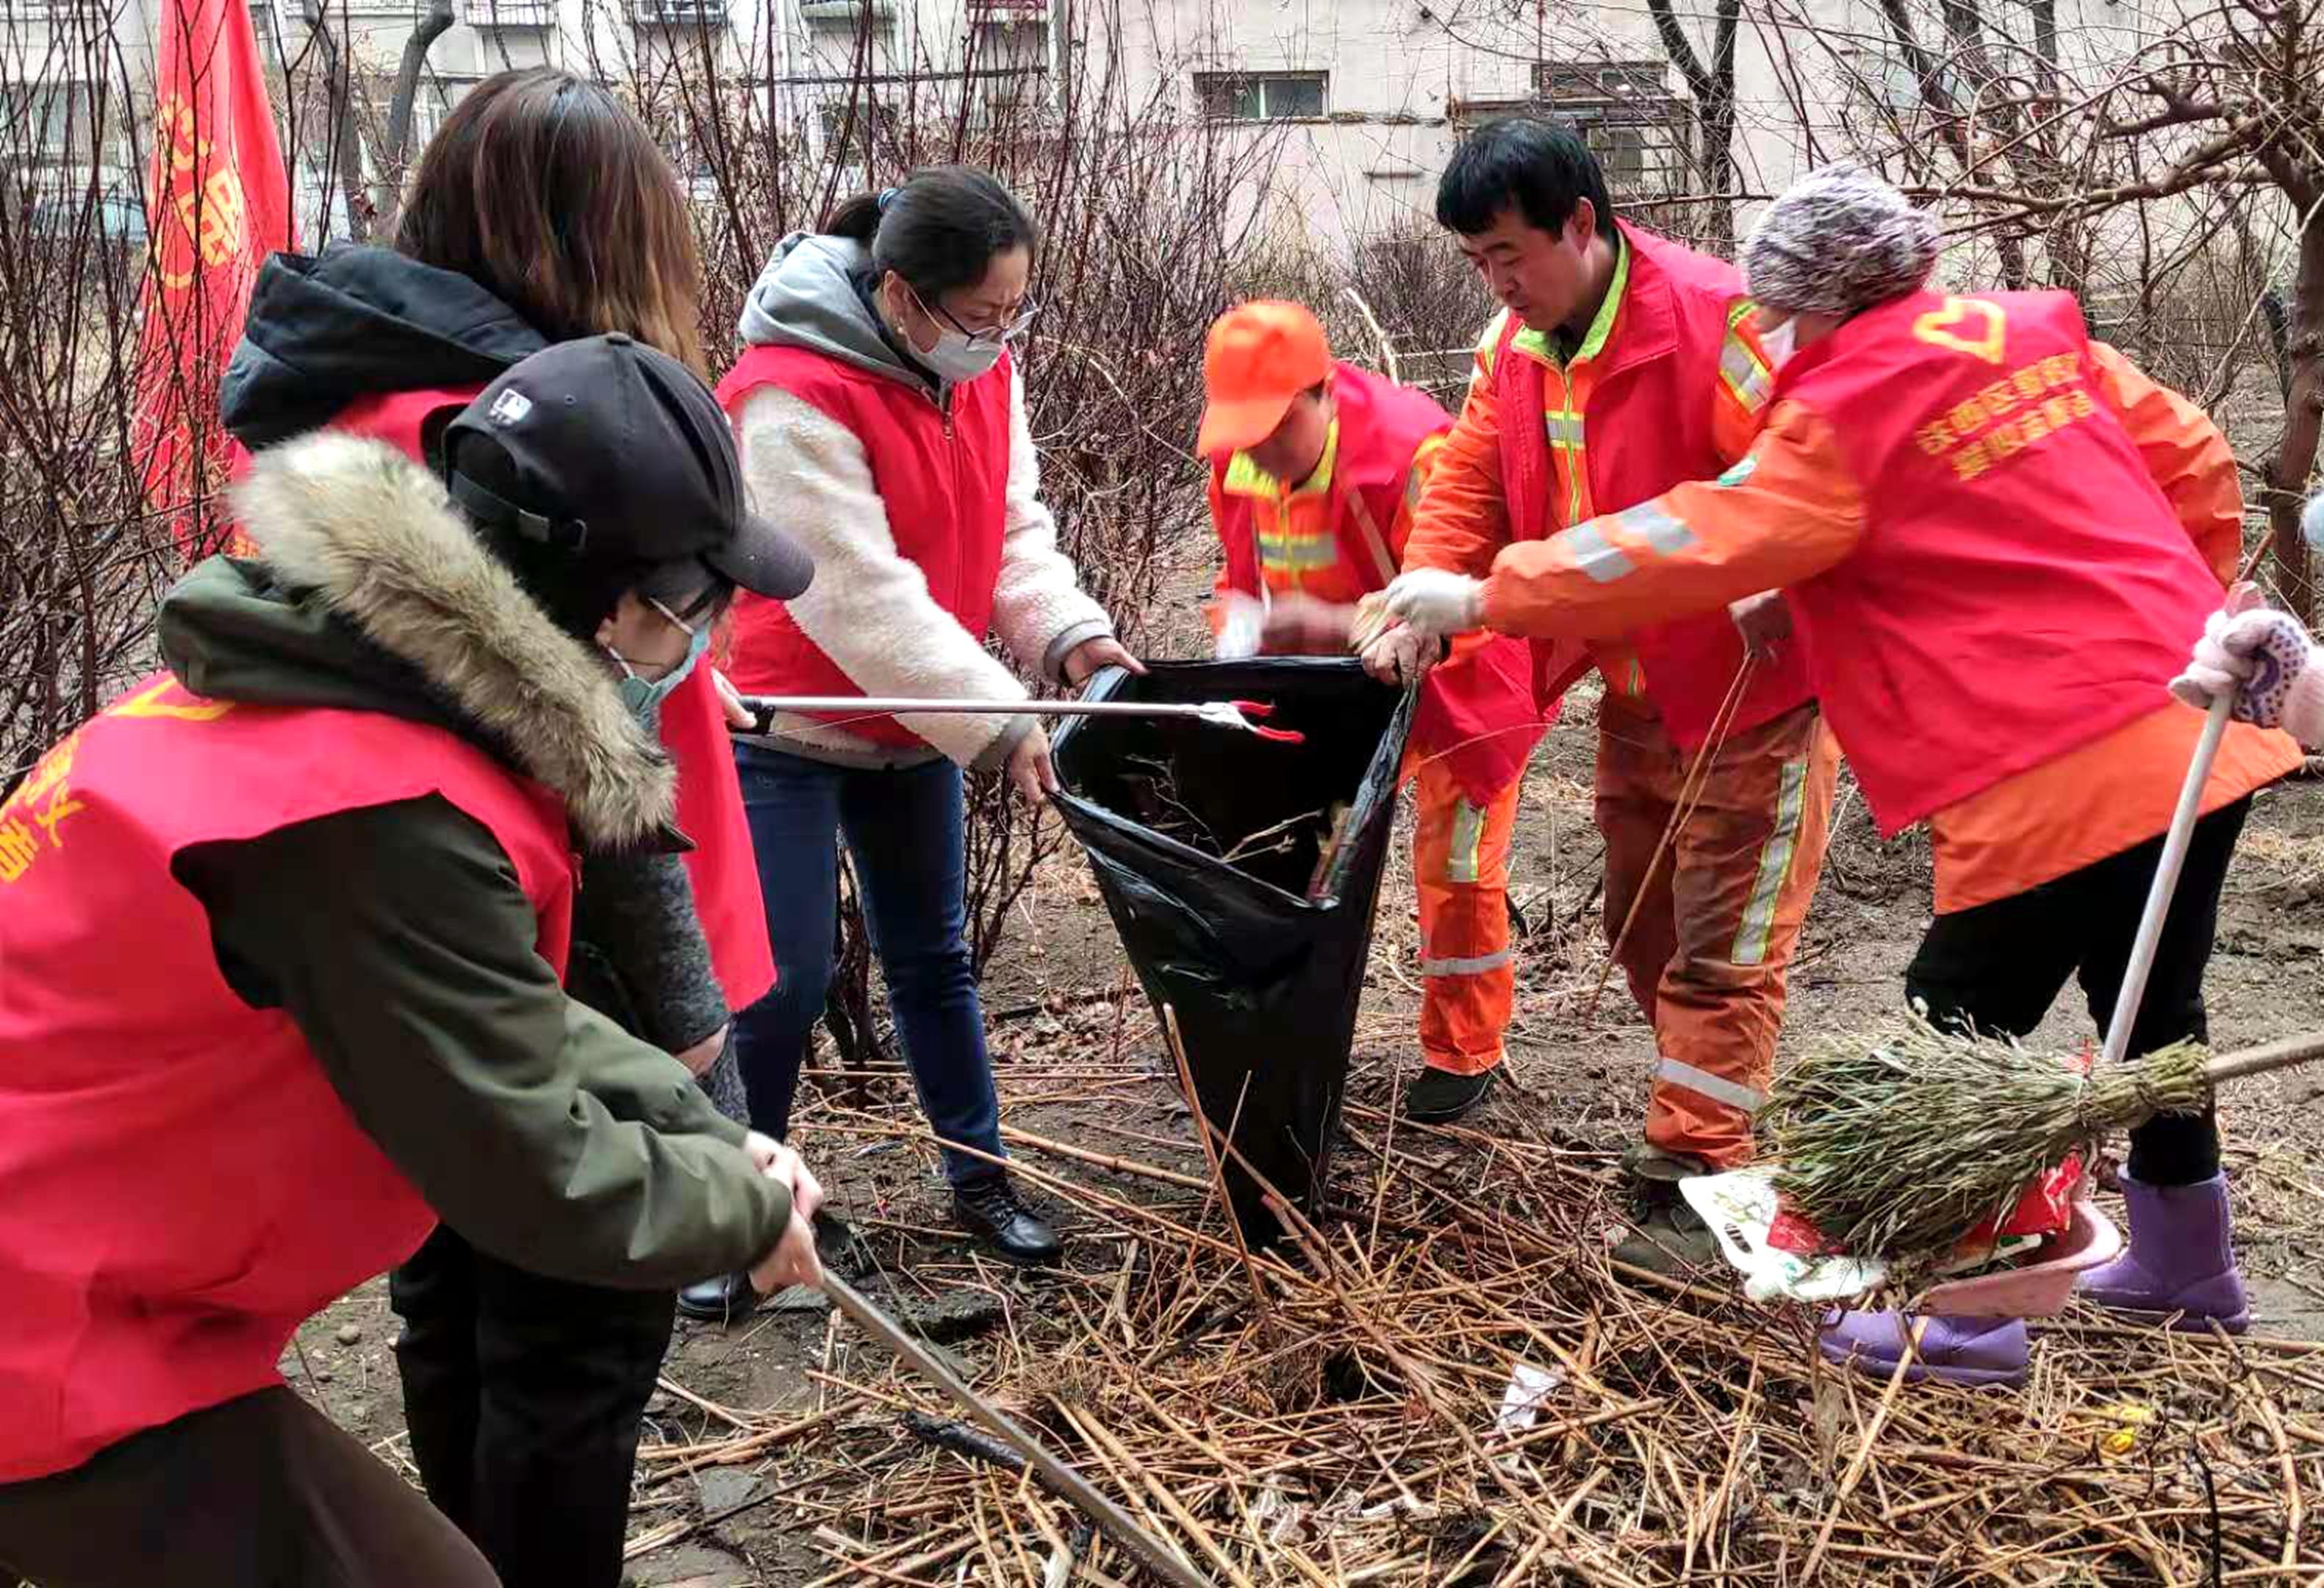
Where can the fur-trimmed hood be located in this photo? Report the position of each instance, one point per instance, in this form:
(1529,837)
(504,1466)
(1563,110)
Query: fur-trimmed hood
(370,591)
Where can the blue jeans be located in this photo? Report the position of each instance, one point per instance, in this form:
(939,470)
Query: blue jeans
(905,832)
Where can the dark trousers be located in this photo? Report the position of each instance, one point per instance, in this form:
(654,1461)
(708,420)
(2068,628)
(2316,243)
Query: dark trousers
(524,1396)
(262,1491)
(905,832)
(1998,967)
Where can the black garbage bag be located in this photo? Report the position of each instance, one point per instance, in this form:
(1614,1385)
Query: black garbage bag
(1215,852)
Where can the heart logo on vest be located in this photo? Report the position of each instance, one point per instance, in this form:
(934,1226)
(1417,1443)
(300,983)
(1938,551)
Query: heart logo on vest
(1938,327)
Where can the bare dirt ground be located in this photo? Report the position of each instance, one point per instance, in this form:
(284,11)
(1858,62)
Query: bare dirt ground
(1080,1064)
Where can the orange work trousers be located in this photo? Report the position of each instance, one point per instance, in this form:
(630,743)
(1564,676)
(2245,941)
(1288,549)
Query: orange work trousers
(1460,863)
(1720,915)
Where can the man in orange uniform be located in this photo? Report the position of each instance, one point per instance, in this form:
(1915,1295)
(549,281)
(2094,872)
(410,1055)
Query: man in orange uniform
(1315,465)
(1998,539)
(1624,364)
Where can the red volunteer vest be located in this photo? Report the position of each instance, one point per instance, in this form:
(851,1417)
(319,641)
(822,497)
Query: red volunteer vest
(1646,428)
(721,867)
(1480,714)
(944,480)
(2022,586)
(179,1185)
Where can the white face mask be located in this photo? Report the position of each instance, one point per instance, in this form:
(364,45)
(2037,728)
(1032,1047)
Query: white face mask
(957,356)
(1781,343)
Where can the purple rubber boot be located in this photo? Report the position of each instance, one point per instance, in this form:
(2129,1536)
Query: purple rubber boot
(2180,1260)
(1958,1350)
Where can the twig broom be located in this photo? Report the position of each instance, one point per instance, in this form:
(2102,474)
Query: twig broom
(1900,1150)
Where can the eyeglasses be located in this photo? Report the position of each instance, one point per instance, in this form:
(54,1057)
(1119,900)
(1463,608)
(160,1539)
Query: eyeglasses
(670,617)
(1003,334)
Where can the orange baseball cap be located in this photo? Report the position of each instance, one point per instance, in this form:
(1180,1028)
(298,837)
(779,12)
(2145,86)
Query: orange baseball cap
(1259,356)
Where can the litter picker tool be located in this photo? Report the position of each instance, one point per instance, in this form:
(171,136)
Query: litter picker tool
(1060,1476)
(1218,714)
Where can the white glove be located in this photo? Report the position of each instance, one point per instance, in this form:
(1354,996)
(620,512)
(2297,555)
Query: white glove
(1436,603)
(1242,623)
(2266,659)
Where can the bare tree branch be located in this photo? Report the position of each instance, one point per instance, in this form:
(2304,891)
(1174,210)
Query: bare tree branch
(346,144)
(431,26)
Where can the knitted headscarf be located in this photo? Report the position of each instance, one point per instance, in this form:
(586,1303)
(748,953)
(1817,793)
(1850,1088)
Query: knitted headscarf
(1838,242)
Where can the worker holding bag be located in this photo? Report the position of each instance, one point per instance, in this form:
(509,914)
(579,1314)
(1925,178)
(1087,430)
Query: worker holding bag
(1315,465)
(1997,540)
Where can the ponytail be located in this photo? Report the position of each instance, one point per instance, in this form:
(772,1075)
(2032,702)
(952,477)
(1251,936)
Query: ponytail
(857,220)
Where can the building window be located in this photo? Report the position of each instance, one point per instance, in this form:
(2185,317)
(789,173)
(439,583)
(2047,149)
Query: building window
(1261,96)
(678,13)
(56,125)
(267,24)
(1010,46)
(1641,133)
(854,130)
(843,33)
(1888,83)
(1007,60)
(432,100)
(510,13)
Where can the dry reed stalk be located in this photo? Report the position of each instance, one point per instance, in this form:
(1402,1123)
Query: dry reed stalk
(1677,1448)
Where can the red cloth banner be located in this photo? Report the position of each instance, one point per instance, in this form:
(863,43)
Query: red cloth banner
(218,202)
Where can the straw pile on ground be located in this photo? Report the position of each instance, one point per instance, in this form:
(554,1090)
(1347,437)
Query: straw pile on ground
(1336,1416)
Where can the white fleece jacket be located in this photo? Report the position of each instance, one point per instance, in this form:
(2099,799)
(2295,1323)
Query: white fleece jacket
(869,608)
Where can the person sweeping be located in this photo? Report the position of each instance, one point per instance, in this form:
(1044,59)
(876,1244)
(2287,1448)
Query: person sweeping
(1315,465)
(1997,540)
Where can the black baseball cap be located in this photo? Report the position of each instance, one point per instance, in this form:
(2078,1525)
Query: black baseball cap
(601,465)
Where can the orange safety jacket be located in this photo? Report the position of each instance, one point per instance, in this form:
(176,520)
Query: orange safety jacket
(1337,539)
(1668,385)
(1990,567)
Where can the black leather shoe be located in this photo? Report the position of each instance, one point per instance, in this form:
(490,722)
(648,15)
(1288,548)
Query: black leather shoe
(989,1209)
(1439,1096)
(725,1299)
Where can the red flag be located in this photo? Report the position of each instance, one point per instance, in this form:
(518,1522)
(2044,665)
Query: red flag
(218,203)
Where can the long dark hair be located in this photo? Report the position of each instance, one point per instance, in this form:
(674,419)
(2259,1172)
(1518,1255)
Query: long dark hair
(543,189)
(940,230)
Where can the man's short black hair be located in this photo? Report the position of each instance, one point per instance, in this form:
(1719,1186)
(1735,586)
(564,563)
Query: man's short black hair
(1542,167)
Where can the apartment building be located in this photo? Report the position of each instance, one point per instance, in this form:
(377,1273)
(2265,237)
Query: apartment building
(1361,99)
